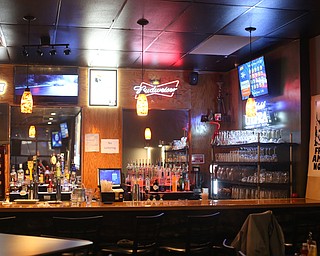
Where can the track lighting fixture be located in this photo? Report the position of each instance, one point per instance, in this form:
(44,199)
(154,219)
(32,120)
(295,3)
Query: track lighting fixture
(53,51)
(25,52)
(39,52)
(67,50)
(40,49)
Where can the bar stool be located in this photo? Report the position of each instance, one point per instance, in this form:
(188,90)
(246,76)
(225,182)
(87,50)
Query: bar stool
(79,227)
(144,241)
(7,224)
(229,250)
(199,237)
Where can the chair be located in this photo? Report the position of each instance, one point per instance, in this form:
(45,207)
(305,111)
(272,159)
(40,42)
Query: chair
(198,239)
(79,227)
(229,250)
(7,224)
(260,235)
(144,241)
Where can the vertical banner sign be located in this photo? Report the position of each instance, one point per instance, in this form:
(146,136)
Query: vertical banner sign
(314,144)
(313,188)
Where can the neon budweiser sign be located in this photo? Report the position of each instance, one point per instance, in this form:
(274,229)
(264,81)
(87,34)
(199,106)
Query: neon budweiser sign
(165,90)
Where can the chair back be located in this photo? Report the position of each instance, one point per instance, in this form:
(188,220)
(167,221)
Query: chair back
(200,233)
(7,224)
(146,234)
(268,236)
(78,227)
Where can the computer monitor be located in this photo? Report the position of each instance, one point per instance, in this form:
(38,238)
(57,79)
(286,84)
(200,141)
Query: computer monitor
(110,174)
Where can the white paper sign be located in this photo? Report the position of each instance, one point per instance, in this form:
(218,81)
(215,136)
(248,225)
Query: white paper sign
(109,146)
(92,143)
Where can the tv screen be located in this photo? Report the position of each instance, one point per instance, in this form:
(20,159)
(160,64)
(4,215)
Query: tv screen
(64,130)
(259,83)
(47,85)
(110,174)
(56,141)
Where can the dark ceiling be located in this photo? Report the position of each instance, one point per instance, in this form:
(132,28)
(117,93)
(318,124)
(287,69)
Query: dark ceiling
(105,32)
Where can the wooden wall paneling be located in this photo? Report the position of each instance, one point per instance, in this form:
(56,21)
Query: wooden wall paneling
(107,123)
(204,98)
(128,78)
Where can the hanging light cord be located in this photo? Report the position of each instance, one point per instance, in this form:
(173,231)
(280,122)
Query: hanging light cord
(142,22)
(29,19)
(250,29)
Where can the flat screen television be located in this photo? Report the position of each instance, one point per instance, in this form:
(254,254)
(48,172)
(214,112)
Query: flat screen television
(64,130)
(56,140)
(259,83)
(47,85)
(110,174)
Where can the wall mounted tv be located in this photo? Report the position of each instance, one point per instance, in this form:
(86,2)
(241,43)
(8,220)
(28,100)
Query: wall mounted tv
(47,85)
(56,141)
(259,83)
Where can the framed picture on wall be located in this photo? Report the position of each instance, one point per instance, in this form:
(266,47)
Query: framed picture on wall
(103,87)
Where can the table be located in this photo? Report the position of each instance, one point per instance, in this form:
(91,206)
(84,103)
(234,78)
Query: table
(34,245)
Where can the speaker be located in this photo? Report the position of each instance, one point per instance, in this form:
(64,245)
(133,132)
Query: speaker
(193,78)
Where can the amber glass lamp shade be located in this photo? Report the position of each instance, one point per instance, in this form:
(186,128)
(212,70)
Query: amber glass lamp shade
(142,105)
(147,134)
(251,108)
(32,131)
(26,104)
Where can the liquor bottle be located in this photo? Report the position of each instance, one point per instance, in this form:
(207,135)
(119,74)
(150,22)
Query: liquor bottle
(186,182)
(13,175)
(155,186)
(147,186)
(47,175)
(20,174)
(181,183)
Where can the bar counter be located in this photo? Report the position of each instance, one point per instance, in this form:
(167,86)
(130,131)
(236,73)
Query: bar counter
(297,216)
(165,205)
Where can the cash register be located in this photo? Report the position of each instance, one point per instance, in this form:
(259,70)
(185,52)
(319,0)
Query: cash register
(113,176)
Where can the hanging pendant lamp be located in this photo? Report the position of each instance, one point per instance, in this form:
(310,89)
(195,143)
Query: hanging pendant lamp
(147,134)
(142,101)
(26,104)
(32,131)
(251,108)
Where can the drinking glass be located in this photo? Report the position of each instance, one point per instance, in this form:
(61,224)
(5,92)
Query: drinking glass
(89,195)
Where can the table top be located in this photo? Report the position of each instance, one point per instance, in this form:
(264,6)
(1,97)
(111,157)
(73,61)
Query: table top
(165,205)
(33,245)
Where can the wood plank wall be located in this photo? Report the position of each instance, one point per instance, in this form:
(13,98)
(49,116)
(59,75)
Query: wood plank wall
(107,122)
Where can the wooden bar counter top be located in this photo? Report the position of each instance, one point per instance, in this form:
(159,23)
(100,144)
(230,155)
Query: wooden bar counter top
(165,205)
(297,216)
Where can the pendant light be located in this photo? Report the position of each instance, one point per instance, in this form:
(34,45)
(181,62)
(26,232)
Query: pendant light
(251,108)
(147,134)
(26,104)
(32,131)
(142,101)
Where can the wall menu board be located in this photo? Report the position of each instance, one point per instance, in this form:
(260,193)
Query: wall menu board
(102,87)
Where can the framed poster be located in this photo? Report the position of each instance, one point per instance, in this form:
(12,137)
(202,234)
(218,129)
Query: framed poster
(197,158)
(103,87)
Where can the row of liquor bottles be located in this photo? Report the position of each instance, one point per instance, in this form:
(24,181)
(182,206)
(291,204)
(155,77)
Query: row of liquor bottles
(158,177)
(38,172)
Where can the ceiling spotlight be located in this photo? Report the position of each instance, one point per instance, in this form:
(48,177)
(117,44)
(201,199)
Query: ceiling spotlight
(52,51)
(25,52)
(39,52)
(67,51)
